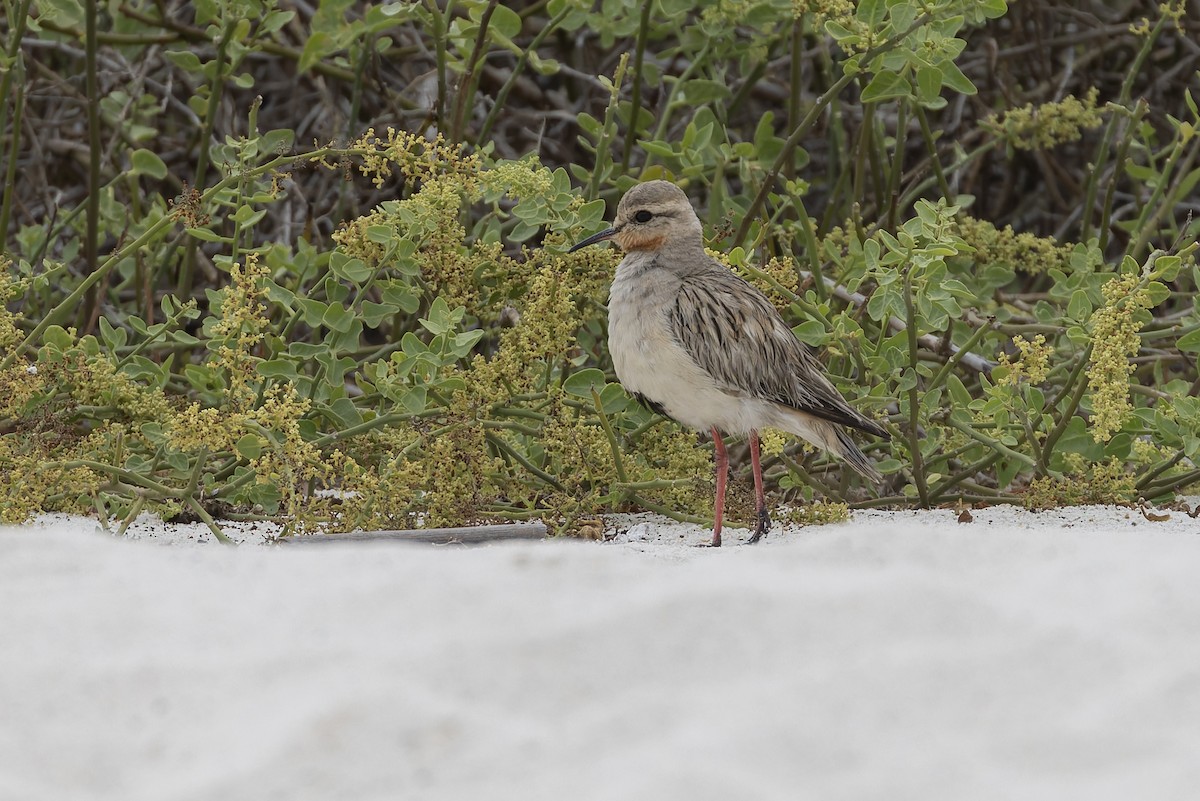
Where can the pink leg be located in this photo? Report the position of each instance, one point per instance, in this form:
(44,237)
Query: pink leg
(722,460)
(760,498)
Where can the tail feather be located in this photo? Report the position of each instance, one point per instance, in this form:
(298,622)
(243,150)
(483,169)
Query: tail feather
(834,439)
(854,457)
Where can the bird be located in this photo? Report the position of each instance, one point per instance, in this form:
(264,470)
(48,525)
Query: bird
(694,342)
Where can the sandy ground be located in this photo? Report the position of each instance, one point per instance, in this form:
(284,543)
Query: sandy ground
(898,656)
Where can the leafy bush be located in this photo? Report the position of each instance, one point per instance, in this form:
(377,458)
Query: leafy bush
(1002,268)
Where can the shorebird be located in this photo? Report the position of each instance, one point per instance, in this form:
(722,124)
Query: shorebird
(696,343)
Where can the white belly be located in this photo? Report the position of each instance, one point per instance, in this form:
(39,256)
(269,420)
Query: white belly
(649,362)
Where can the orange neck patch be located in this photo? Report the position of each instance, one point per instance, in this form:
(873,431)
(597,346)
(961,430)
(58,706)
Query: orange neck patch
(631,241)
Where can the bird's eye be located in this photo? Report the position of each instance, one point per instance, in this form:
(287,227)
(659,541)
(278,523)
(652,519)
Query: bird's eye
(642,216)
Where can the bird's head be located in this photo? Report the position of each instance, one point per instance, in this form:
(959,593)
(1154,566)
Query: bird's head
(651,216)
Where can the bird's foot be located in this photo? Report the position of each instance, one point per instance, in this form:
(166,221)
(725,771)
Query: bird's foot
(761,527)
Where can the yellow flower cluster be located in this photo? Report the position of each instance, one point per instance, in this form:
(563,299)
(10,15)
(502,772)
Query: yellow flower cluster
(546,331)
(817,513)
(1024,251)
(9,335)
(1033,364)
(1047,125)
(1173,10)
(840,11)
(35,482)
(1115,327)
(773,441)
(780,282)
(95,381)
(241,326)
(523,178)
(414,155)
(1084,483)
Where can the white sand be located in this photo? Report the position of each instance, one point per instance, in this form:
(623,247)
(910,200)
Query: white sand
(900,656)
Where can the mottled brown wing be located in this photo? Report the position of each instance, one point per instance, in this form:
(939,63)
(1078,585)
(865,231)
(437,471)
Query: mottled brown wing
(733,332)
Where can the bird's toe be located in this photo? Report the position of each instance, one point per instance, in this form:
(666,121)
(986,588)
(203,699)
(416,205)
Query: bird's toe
(762,526)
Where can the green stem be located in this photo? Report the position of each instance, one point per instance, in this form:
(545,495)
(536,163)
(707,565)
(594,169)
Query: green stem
(14,147)
(466,84)
(1172,483)
(811,248)
(151,234)
(931,145)
(618,463)
(635,106)
(1110,193)
(1079,382)
(119,472)
(1153,210)
(957,356)
(520,459)
(664,119)
(16,70)
(91,306)
(184,286)
(1159,469)
(674,514)
(517,71)
(944,487)
(603,156)
(793,141)
(1102,152)
(438,32)
(995,445)
(897,170)
(914,400)
(208,521)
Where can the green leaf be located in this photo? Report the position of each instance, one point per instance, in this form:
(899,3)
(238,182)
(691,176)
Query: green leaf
(278,141)
(871,12)
(1080,306)
(346,412)
(464,342)
(375,313)
(580,383)
(929,83)
(381,234)
(318,46)
(506,22)
(415,400)
(337,317)
(246,216)
(886,86)
(355,270)
(186,60)
(699,90)
(1157,292)
(1189,342)
(249,447)
(403,296)
(113,337)
(441,319)
(657,148)
(958,392)
(57,337)
(143,162)
(953,77)
(277,368)
(811,332)
(613,399)
(205,235)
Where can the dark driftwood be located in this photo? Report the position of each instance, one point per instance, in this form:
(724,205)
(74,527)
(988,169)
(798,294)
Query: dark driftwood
(433,536)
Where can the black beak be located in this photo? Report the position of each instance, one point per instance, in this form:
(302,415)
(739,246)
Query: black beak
(608,233)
